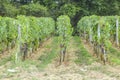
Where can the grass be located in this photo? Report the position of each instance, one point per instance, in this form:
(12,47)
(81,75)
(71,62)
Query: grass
(84,57)
(27,65)
(43,60)
(41,63)
(48,56)
(5,60)
(114,56)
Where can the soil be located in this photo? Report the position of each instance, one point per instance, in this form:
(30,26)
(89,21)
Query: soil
(68,70)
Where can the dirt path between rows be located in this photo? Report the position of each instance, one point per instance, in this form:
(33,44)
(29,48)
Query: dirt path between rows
(20,73)
(40,51)
(107,72)
(69,70)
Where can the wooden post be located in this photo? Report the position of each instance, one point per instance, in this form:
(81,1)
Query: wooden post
(117,40)
(90,36)
(98,31)
(98,45)
(18,44)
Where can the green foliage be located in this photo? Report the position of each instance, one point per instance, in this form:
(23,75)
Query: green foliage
(8,32)
(34,10)
(64,29)
(33,31)
(75,9)
(94,22)
(107,25)
(7,9)
(69,9)
(10,10)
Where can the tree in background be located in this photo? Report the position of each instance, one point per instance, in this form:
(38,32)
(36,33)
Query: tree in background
(75,9)
(34,9)
(7,9)
(69,9)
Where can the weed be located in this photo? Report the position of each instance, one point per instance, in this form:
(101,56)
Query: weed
(84,57)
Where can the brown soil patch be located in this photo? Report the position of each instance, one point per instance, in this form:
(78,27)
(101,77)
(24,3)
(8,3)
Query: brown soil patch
(71,71)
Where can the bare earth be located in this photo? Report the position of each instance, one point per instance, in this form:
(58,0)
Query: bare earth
(69,70)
